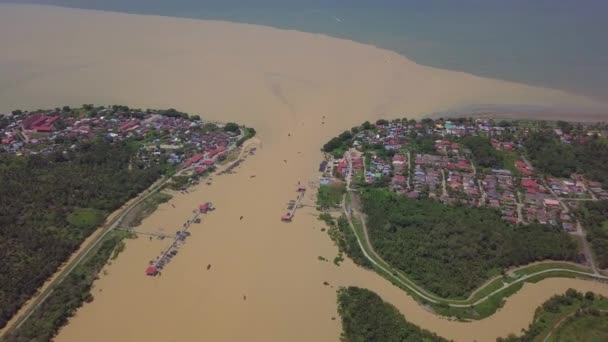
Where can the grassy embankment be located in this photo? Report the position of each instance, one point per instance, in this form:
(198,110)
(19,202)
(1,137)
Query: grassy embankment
(75,289)
(573,316)
(473,307)
(70,294)
(144,209)
(342,235)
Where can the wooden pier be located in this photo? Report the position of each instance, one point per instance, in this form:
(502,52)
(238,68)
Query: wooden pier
(293,207)
(160,262)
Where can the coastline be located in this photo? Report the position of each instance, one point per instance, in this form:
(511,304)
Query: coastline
(417,39)
(282,83)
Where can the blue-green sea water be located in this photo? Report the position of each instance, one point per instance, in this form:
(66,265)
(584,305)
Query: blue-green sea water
(560,44)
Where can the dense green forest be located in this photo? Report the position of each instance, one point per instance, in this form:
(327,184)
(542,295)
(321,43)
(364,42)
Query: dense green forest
(555,158)
(339,145)
(69,295)
(484,153)
(366,317)
(566,310)
(50,203)
(452,250)
(594,217)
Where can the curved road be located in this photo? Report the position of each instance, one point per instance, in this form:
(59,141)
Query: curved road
(431,298)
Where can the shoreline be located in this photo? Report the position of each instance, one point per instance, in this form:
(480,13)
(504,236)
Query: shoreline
(325,34)
(593,108)
(298,90)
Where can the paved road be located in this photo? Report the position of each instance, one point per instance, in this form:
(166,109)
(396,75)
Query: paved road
(580,230)
(22,316)
(112,224)
(434,299)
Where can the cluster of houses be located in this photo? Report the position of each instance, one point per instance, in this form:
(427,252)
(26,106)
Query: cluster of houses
(568,188)
(343,167)
(177,140)
(448,173)
(499,192)
(539,204)
(596,189)
(378,168)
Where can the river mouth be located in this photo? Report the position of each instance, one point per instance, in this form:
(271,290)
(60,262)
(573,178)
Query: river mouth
(298,90)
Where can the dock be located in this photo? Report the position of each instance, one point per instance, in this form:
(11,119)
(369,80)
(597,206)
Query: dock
(294,205)
(171,251)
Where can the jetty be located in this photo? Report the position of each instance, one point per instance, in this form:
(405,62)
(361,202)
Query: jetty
(179,238)
(294,204)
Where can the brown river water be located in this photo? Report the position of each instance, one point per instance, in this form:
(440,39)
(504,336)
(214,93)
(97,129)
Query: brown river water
(298,90)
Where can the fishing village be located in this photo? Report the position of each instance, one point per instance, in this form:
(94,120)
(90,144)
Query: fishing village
(179,238)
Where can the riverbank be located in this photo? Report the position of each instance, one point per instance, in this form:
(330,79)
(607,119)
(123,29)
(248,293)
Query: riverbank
(483,301)
(297,90)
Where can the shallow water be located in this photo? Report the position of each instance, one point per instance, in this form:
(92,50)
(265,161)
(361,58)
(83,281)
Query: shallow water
(282,83)
(556,44)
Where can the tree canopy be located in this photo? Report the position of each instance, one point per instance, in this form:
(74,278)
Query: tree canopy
(366,317)
(50,203)
(484,153)
(588,156)
(594,217)
(231,127)
(452,250)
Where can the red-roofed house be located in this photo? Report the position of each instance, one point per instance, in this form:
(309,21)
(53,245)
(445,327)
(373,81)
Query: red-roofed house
(151,271)
(44,129)
(204,208)
(216,151)
(194,159)
(399,179)
(286,218)
(128,126)
(398,159)
(529,183)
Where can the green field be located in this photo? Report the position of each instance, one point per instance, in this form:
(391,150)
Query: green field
(330,196)
(144,209)
(86,218)
(588,328)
